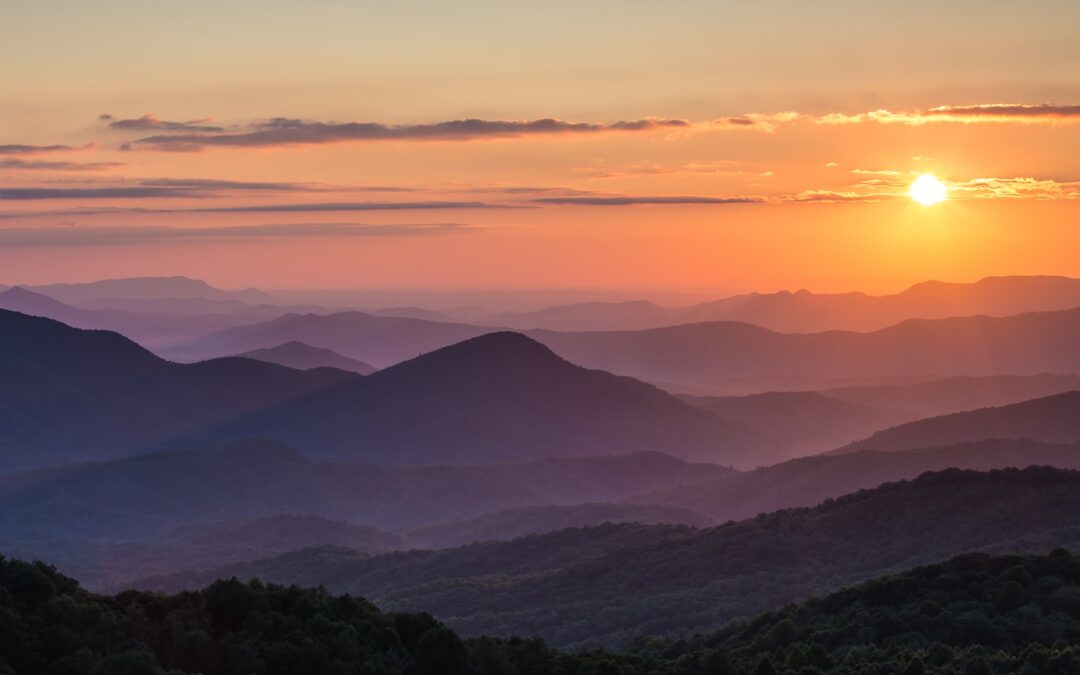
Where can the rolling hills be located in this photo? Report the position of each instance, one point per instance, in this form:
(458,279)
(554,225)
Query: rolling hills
(1052,419)
(694,579)
(305,357)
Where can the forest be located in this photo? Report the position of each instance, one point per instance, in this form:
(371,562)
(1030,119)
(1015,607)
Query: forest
(976,614)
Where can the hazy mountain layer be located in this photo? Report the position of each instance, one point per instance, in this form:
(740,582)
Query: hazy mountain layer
(696,578)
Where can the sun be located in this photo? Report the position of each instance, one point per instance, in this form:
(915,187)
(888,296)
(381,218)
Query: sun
(927,190)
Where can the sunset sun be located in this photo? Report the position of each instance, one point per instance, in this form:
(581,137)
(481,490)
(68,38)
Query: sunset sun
(927,190)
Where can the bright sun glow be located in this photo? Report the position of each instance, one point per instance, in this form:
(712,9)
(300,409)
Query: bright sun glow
(927,190)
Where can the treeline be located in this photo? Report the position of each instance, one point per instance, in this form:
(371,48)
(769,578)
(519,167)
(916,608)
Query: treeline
(48,624)
(974,615)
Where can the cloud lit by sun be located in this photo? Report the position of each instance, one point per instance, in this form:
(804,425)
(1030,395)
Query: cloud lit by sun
(927,190)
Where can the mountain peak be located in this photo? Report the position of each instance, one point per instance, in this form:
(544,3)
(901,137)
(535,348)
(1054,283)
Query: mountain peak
(500,349)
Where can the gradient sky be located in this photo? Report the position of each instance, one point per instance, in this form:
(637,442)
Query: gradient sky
(696,147)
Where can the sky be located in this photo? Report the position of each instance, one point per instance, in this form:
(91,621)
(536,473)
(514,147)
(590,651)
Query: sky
(635,148)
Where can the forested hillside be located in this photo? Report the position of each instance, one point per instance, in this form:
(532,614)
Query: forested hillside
(975,614)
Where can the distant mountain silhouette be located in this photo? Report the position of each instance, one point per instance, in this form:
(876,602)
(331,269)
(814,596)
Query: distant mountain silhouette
(378,340)
(799,423)
(711,354)
(77,395)
(956,394)
(604,585)
(147,325)
(806,312)
(498,397)
(729,356)
(108,520)
(305,357)
(527,520)
(1052,419)
(810,480)
(501,397)
(629,315)
(45,359)
(146,288)
(107,562)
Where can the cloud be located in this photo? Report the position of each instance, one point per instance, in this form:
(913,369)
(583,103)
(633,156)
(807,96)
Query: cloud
(965,114)
(1015,188)
(876,172)
(23,149)
(711,168)
(150,122)
(341,206)
(38,165)
(759,121)
(313,207)
(213,184)
(834,196)
(132,192)
(282,131)
(73,235)
(185,187)
(629,200)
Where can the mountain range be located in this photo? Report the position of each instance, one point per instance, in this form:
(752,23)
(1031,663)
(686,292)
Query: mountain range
(500,397)
(809,481)
(724,357)
(806,312)
(588,587)
(305,357)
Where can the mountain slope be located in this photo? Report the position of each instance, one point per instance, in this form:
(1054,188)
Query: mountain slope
(811,480)
(305,357)
(116,520)
(957,616)
(715,354)
(957,394)
(77,395)
(498,397)
(800,423)
(524,521)
(378,340)
(701,578)
(806,312)
(1052,419)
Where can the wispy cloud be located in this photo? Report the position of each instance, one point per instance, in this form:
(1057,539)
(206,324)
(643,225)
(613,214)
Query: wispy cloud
(342,206)
(632,200)
(24,149)
(131,192)
(1015,188)
(709,167)
(835,196)
(40,165)
(312,207)
(876,172)
(74,235)
(150,122)
(965,114)
(758,121)
(287,132)
(271,186)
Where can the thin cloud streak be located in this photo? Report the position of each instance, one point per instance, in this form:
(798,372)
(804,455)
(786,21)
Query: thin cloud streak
(314,207)
(72,235)
(282,131)
(40,165)
(134,192)
(24,149)
(1045,113)
(150,122)
(629,200)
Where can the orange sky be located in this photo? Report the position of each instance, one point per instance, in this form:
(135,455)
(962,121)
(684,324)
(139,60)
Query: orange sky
(622,146)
